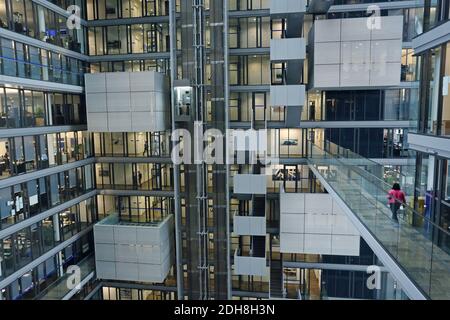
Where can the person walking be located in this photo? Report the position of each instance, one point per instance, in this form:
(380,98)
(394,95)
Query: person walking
(396,198)
(140,177)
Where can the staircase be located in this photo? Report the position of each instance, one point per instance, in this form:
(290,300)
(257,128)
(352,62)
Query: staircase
(276,279)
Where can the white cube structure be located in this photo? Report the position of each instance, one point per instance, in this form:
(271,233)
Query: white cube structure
(133,252)
(127,101)
(356,53)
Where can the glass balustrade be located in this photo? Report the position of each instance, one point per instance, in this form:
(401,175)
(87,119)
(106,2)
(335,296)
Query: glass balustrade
(61,287)
(415,242)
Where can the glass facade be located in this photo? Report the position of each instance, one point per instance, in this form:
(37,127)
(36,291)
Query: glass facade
(24,200)
(27,61)
(34,20)
(30,108)
(29,153)
(132,171)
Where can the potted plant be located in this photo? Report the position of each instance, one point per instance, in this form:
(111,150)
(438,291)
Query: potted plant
(39,116)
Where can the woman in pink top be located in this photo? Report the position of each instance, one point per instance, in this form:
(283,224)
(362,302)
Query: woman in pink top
(396,198)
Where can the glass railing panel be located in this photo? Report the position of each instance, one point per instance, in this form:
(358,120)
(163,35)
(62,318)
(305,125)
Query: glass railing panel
(36,71)
(419,245)
(60,288)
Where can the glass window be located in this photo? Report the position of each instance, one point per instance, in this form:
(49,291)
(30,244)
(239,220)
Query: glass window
(445,126)
(3,109)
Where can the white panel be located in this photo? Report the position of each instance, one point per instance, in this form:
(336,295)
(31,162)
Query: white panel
(142,81)
(327,53)
(148,254)
(292,202)
(249,183)
(96,102)
(318,223)
(127,271)
(160,82)
(385,74)
(249,225)
(287,95)
(258,184)
(105,270)
(354,29)
(258,266)
(327,30)
(241,183)
(250,266)
(147,236)
(391,28)
(125,234)
(119,121)
(326,76)
(95,82)
(318,203)
(317,243)
(287,6)
(258,226)
(117,82)
(103,234)
(158,121)
(355,75)
(150,273)
(355,52)
(118,101)
(160,102)
(97,122)
(287,49)
(343,226)
(105,252)
(292,223)
(296,95)
(292,242)
(143,121)
(241,225)
(125,253)
(345,245)
(386,51)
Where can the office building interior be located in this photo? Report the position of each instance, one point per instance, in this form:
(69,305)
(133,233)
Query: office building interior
(98,96)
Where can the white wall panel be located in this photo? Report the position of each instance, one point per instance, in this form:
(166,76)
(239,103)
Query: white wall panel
(131,93)
(317,243)
(309,221)
(322,53)
(287,6)
(364,55)
(327,32)
(287,49)
(354,29)
(96,82)
(96,101)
